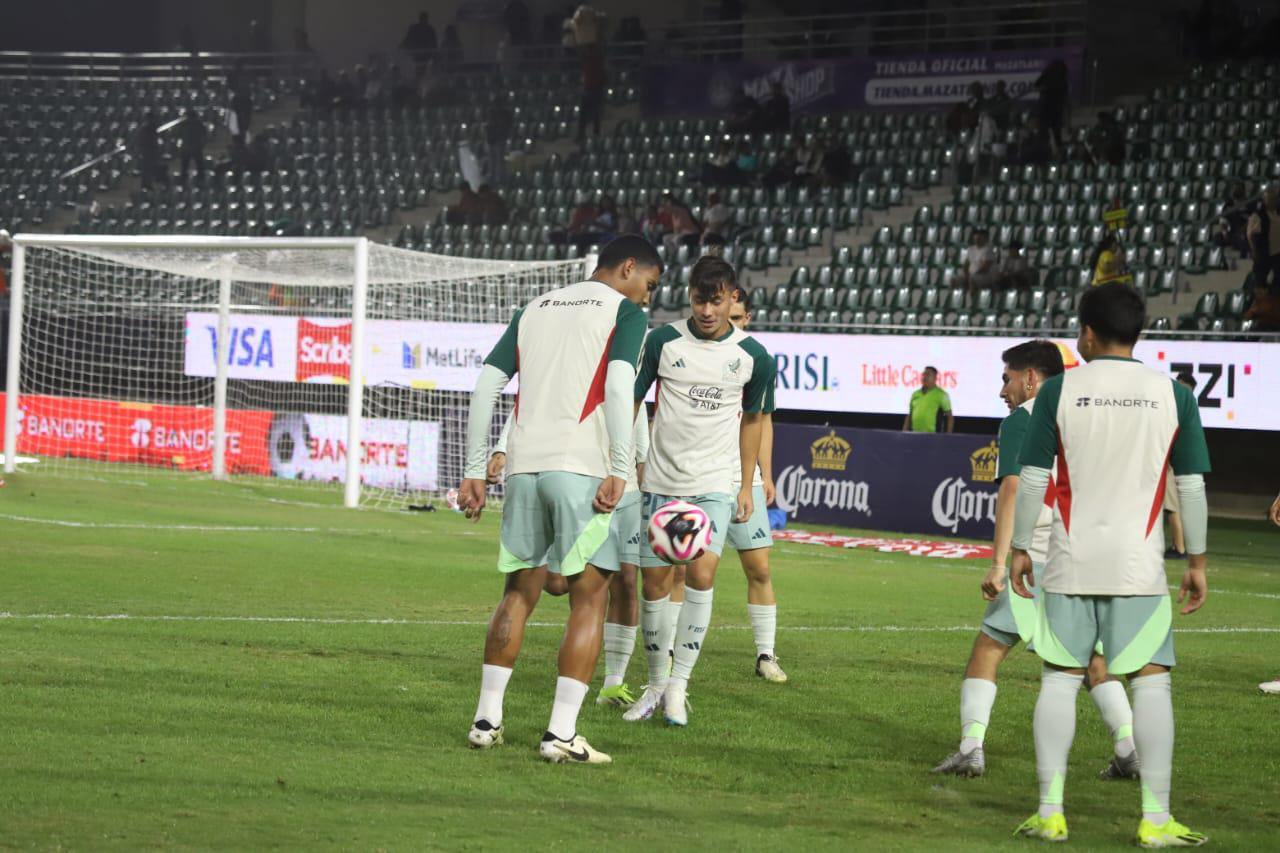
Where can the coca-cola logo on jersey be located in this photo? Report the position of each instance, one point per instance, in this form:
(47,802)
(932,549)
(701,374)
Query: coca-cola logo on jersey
(324,352)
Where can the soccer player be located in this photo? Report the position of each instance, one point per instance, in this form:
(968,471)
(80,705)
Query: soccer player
(1113,425)
(570,452)
(622,616)
(1012,618)
(710,377)
(1273,687)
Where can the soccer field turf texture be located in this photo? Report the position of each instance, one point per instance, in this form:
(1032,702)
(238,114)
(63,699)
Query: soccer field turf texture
(293,675)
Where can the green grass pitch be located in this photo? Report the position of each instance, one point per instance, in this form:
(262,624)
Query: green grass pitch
(301,676)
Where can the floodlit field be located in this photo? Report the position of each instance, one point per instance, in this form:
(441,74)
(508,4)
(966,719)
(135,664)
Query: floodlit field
(201,665)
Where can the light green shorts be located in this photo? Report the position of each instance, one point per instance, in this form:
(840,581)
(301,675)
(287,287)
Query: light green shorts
(718,506)
(1134,630)
(547,519)
(754,533)
(1011,617)
(627,528)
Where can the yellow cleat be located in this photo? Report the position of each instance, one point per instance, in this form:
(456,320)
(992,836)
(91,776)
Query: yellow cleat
(1051,828)
(1172,834)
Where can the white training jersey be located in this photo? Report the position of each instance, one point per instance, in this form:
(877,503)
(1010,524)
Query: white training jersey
(704,386)
(1115,426)
(758,480)
(561,344)
(639,444)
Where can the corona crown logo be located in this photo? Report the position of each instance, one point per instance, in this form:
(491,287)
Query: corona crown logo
(831,453)
(983,461)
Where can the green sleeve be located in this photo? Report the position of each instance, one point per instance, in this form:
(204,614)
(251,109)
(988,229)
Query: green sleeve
(504,353)
(764,374)
(769,406)
(946,401)
(1190,452)
(628,333)
(1040,444)
(1013,430)
(650,358)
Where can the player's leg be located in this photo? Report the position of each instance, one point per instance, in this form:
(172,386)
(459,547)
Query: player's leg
(752,540)
(619,636)
(655,595)
(671,613)
(1109,696)
(555,585)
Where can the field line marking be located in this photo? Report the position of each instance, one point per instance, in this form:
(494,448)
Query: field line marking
(476,623)
(201,528)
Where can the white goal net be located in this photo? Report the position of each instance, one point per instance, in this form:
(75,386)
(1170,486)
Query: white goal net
(253,358)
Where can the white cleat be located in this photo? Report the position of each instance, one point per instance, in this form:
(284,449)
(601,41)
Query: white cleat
(968,765)
(484,735)
(643,708)
(576,750)
(768,669)
(1270,687)
(675,705)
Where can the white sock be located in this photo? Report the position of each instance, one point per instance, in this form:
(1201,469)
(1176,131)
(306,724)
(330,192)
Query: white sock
(1113,707)
(564,711)
(619,642)
(1153,731)
(493,686)
(977,696)
(652,619)
(764,626)
(695,616)
(1055,728)
(670,619)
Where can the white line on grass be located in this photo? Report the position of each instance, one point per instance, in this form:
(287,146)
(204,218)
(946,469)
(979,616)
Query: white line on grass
(475,623)
(202,528)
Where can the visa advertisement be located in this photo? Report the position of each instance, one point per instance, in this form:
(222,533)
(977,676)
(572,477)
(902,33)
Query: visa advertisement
(1237,381)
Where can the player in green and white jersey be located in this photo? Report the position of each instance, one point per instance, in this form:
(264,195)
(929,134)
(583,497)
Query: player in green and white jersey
(1114,428)
(569,457)
(711,376)
(1010,618)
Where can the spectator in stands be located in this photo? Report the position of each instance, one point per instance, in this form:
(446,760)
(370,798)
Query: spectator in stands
(1052,84)
(1106,140)
(468,208)
(926,404)
(1108,262)
(720,170)
(745,113)
(192,134)
(655,224)
(837,164)
(241,112)
(451,47)
(493,210)
(777,109)
(420,40)
(717,218)
(980,262)
(1015,269)
(685,229)
(746,161)
(582,32)
(808,161)
(1000,107)
(1263,232)
(148,148)
(1233,221)
(782,172)
(964,114)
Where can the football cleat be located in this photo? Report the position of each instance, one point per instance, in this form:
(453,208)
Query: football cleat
(969,764)
(484,735)
(768,669)
(1128,767)
(1051,828)
(619,695)
(576,750)
(1271,687)
(643,708)
(675,705)
(1172,834)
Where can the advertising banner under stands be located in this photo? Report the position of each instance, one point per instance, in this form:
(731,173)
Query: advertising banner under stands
(825,85)
(942,485)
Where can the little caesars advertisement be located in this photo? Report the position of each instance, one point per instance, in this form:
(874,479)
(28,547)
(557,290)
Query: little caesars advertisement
(942,485)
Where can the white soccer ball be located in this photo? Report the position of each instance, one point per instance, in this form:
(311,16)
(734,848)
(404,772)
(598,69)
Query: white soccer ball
(679,532)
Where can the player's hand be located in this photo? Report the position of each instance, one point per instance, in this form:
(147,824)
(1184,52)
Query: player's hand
(1195,587)
(1275,512)
(493,473)
(1023,576)
(771,492)
(993,583)
(609,493)
(471,498)
(746,505)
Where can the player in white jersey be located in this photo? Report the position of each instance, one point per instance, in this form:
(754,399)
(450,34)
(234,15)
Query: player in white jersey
(1273,686)
(569,457)
(710,376)
(622,617)
(1010,618)
(1114,427)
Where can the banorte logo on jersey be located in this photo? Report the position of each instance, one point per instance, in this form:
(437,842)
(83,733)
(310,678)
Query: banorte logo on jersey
(324,352)
(954,502)
(798,489)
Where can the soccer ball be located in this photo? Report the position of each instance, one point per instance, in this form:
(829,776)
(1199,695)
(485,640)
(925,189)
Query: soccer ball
(679,532)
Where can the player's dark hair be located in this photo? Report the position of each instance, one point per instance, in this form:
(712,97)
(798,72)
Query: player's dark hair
(710,275)
(1115,312)
(1040,355)
(929,367)
(1187,379)
(740,294)
(619,249)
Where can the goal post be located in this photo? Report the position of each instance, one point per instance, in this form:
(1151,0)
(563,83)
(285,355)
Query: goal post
(332,361)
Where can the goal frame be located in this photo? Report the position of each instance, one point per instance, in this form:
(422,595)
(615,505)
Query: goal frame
(358,246)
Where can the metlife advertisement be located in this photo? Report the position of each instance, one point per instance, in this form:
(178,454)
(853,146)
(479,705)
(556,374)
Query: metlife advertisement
(1237,381)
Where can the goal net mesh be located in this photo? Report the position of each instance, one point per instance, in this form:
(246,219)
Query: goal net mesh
(118,358)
